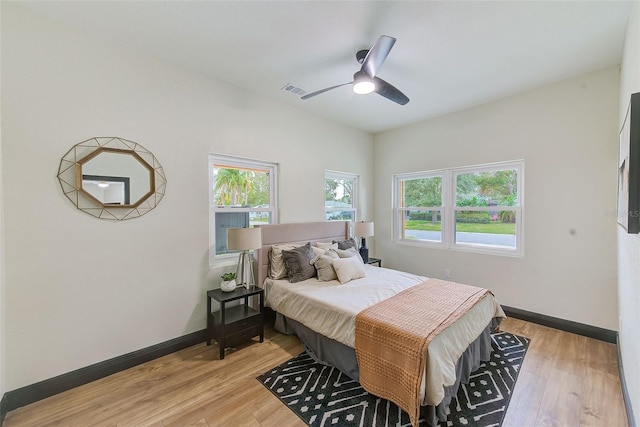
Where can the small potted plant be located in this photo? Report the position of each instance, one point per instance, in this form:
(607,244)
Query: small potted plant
(228,282)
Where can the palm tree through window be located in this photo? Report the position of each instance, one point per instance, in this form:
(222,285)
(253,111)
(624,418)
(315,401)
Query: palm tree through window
(242,194)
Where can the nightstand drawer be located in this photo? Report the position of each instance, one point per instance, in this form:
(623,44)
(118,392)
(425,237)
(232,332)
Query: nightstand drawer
(249,322)
(233,340)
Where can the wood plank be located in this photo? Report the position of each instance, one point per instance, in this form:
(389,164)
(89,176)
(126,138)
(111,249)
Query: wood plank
(561,404)
(526,400)
(565,380)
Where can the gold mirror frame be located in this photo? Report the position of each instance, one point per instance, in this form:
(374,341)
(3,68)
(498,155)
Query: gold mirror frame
(81,176)
(70,177)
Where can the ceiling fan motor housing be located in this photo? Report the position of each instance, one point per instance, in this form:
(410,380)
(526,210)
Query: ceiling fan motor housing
(361,54)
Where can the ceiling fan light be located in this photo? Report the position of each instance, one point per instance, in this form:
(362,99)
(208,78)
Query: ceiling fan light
(363,87)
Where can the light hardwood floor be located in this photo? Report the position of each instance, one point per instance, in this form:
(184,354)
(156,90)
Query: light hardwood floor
(566,380)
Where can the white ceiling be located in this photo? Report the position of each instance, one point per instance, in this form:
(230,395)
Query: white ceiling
(449,55)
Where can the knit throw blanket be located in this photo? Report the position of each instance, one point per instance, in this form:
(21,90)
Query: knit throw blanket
(392,338)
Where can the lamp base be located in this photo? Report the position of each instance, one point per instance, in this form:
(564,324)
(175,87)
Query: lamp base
(244,272)
(364,253)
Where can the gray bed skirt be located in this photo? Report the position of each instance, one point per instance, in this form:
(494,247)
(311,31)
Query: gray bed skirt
(327,351)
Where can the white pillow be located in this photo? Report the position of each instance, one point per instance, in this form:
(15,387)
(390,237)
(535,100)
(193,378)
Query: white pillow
(319,251)
(277,268)
(323,248)
(348,253)
(348,268)
(327,245)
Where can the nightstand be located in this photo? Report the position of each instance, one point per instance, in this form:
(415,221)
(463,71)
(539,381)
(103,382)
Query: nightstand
(375,261)
(232,325)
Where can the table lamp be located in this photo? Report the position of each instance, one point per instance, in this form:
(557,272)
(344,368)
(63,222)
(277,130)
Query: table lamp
(244,239)
(364,229)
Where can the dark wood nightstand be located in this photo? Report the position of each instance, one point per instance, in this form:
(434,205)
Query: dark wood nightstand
(232,325)
(375,261)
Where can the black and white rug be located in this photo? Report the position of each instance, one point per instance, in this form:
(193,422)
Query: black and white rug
(323,396)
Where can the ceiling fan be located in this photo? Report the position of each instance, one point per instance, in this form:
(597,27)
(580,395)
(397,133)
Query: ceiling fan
(365,81)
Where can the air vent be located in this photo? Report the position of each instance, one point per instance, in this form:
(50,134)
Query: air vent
(294,89)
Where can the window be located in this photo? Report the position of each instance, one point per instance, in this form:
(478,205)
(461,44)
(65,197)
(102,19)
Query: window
(242,193)
(475,208)
(340,196)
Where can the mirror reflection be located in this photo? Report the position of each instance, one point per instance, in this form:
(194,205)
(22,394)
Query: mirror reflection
(110,190)
(116,177)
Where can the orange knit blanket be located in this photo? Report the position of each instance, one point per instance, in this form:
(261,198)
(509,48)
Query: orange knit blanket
(392,338)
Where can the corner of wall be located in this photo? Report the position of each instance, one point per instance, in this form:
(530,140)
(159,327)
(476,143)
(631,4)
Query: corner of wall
(629,245)
(2,299)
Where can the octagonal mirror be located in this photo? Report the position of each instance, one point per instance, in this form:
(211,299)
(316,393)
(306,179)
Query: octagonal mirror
(112,178)
(115,177)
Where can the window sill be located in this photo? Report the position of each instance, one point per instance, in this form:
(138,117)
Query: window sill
(223,261)
(478,249)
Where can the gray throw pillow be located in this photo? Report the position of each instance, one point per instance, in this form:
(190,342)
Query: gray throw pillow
(346,244)
(298,263)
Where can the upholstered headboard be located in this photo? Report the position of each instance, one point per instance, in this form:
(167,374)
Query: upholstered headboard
(301,232)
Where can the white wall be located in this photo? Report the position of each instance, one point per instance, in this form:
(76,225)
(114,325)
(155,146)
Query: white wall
(629,244)
(566,134)
(66,306)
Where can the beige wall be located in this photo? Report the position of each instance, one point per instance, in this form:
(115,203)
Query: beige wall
(629,244)
(66,305)
(566,134)
(3,322)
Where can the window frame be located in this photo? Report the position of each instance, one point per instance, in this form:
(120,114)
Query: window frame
(241,163)
(398,208)
(449,209)
(328,174)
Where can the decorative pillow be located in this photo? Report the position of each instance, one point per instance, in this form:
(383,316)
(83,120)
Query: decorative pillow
(348,269)
(327,245)
(346,244)
(348,253)
(322,251)
(298,263)
(277,269)
(324,267)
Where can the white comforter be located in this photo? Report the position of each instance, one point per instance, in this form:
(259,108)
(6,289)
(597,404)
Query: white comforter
(330,308)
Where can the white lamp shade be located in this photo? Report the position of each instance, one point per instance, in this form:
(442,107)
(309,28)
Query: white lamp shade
(363,229)
(244,238)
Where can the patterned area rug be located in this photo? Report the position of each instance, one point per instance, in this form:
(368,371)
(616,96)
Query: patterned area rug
(323,396)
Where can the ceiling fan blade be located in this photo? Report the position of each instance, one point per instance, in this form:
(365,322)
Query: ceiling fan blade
(377,54)
(318,92)
(389,91)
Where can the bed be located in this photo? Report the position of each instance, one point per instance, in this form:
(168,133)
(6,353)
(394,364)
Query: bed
(323,313)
